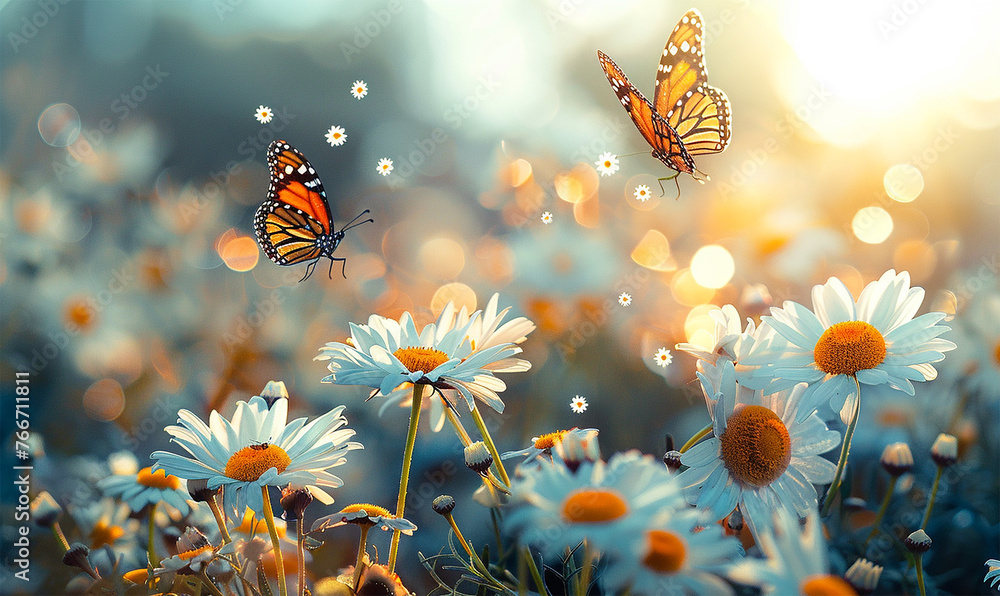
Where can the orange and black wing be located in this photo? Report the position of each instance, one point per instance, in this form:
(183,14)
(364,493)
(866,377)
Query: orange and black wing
(666,143)
(698,112)
(295,211)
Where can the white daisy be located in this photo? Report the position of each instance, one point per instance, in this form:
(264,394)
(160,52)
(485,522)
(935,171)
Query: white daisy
(147,488)
(364,514)
(992,572)
(663,357)
(625,299)
(541,446)
(556,508)
(607,163)
(258,449)
(678,553)
(194,551)
(642,193)
(875,341)
(547,217)
(578,404)
(336,136)
(385,354)
(359,89)
(263,114)
(384,166)
(795,562)
(759,456)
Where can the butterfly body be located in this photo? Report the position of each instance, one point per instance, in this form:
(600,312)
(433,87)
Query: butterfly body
(687,116)
(294,223)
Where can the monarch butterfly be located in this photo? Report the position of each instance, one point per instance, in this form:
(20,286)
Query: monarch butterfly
(688,116)
(294,224)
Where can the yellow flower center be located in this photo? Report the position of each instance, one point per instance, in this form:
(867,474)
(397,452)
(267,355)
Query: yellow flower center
(589,506)
(826,585)
(756,448)
(157,479)
(845,348)
(188,555)
(254,525)
(371,510)
(996,353)
(104,533)
(420,359)
(137,576)
(550,440)
(249,463)
(665,552)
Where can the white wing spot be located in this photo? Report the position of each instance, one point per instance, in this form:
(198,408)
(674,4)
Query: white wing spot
(685,46)
(302,169)
(673,50)
(289,169)
(685,19)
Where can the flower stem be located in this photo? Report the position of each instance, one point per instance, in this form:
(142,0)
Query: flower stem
(481,425)
(588,560)
(404,477)
(151,547)
(535,575)
(697,437)
(882,510)
(490,481)
(300,537)
(361,556)
(57,530)
(208,583)
(930,502)
(278,563)
(845,450)
(219,520)
(920,575)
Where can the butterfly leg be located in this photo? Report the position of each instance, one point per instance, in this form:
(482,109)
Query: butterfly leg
(343,268)
(676,182)
(309,270)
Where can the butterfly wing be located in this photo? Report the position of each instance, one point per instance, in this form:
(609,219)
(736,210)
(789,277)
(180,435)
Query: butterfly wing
(295,211)
(698,112)
(665,142)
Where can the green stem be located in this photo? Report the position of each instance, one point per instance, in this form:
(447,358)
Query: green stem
(882,510)
(920,575)
(151,547)
(300,536)
(930,503)
(490,480)
(535,575)
(481,425)
(220,520)
(588,560)
(278,562)
(208,583)
(697,437)
(404,478)
(361,556)
(60,536)
(845,450)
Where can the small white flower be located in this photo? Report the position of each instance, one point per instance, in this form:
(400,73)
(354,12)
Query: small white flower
(625,299)
(578,404)
(336,136)
(264,114)
(607,163)
(359,89)
(384,166)
(663,357)
(547,217)
(642,193)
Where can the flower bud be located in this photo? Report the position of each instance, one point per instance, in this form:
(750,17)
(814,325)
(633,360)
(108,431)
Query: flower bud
(478,458)
(863,576)
(294,501)
(199,491)
(44,510)
(443,504)
(273,391)
(897,459)
(918,542)
(672,459)
(78,556)
(945,450)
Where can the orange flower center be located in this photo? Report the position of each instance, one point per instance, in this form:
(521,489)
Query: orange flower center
(756,448)
(845,348)
(188,555)
(996,353)
(589,506)
(371,510)
(104,533)
(79,314)
(420,359)
(249,463)
(665,552)
(826,585)
(548,441)
(157,479)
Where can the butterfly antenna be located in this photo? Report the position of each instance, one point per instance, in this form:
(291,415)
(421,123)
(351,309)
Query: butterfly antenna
(351,223)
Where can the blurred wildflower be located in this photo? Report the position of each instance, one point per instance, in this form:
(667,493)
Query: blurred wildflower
(547,217)
(642,193)
(663,358)
(263,114)
(359,89)
(944,451)
(873,341)
(541,446)
(384,166)
(993,572)
(258,449)
(675,554)
(45,511)
(336,136)
(760,455)
(556,508)
(863,576)
(578,404)
(625,299)
(796,560)
(146,488)
(607,163)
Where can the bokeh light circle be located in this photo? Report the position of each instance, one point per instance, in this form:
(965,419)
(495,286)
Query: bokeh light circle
(872,225)
(104,400)
(459,293)
(240,253)
(442,258)
(903,182)
(59,125)
(712,266)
